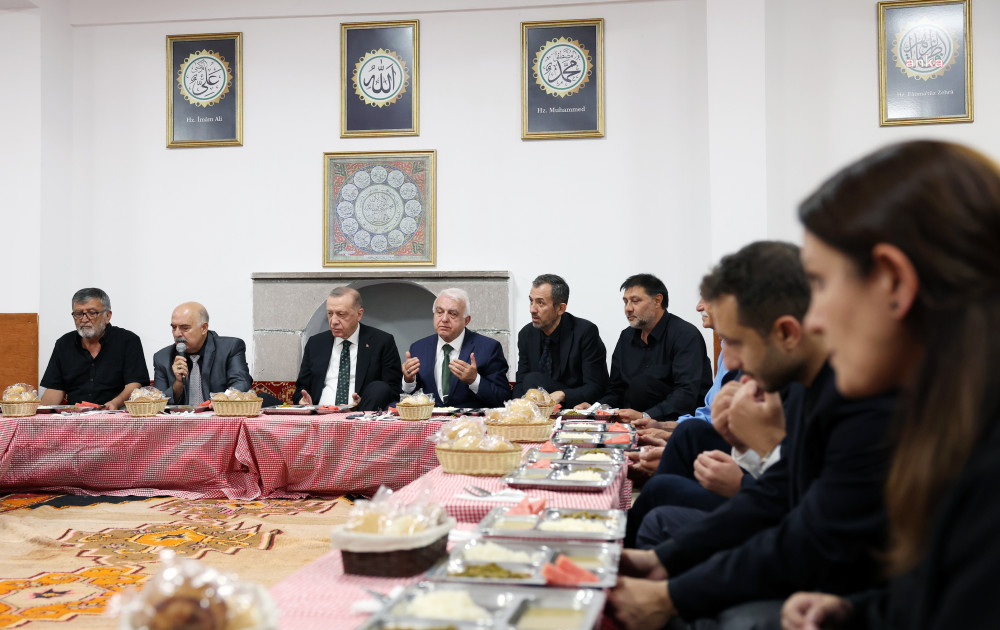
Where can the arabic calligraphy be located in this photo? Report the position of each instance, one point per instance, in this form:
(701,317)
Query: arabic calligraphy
(562,67)
(204,78)
(924,50)
(379,209)
(380,77)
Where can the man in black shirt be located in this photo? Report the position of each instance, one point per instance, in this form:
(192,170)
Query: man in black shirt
(660,367)
(559,352)
(97,363)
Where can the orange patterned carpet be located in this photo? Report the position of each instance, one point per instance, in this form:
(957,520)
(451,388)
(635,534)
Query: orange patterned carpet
(63,558)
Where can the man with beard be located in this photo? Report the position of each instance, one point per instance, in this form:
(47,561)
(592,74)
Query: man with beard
(660,367)
(98,363)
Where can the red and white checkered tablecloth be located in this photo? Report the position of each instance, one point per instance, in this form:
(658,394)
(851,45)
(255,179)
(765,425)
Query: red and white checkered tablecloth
(116,454)
(296,455)
(448,485)
(206,456)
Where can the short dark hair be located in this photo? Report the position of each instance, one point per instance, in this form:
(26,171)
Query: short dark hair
(560,290)
(650,284)
(92,293)
(767,280)
(342,291)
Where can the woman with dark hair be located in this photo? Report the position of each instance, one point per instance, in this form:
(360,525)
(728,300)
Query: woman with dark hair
(902,250)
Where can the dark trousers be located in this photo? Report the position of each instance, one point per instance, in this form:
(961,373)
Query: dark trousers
(377,396)
(759,615)
(674,483)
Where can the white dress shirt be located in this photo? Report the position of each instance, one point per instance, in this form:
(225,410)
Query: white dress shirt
(456,349)
(753,463)
(329,395)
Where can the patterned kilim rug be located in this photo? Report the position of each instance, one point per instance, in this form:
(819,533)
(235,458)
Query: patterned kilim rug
(63,557)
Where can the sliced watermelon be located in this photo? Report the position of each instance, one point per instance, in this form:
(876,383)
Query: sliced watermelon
(542,463)
(624,438)
(527,506)
(548,447)
(555,576)
(574,570)
(618,427)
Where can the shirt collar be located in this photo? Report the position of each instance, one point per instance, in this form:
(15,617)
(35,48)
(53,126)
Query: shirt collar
(338,341)
(456,343)
(658,333)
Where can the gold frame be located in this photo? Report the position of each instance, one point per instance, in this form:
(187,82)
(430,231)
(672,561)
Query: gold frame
(345,92)
(430,214)
(598,23)
(238,62)
(884,120)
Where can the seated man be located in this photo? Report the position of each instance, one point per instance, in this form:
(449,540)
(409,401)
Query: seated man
(352,365)
(814,519)
(459,367)
(207,363)
(660,368)
(98,363)
(558,352)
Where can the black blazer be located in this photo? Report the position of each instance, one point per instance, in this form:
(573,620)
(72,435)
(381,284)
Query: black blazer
(378,360)
(582,364)
(814,521)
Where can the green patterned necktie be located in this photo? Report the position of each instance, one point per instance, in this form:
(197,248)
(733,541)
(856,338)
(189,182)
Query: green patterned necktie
(445,372)
(344,377)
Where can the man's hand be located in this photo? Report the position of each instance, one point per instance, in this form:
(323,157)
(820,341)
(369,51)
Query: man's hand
(306,398)
(814,611)
(558,396)
(721,408)
(653,437)
(641,563)
(466,372)
(717,472)
(756,418)
(410,367)
(646,460)
(583,405)
(630,415)
(641,604)
(180,368)
(355,399)
(114,403)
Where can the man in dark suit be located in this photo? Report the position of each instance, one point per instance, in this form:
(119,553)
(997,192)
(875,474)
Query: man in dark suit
(353,364)
(459,367)
(209,364)
(815,518)
(558,352)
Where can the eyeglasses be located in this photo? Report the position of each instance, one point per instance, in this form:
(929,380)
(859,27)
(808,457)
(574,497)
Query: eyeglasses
(81,315)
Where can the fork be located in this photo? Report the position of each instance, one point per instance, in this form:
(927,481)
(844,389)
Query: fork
(479,492)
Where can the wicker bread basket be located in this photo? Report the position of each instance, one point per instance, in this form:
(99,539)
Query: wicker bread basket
(546,410)
(145,409)
(415,412)
(245,408)
(478,462)
(533,432)
(20,409)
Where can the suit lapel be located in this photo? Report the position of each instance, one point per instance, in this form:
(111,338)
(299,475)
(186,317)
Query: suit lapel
(465,354)
(364,358)
(207,358)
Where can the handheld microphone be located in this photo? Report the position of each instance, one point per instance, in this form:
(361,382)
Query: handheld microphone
(181,349)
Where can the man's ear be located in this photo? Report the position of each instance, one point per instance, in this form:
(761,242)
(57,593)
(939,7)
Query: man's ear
(896,277)
(560,308)
(786,331)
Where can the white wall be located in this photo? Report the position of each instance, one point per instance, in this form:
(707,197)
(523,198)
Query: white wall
(594,211)
(761,100)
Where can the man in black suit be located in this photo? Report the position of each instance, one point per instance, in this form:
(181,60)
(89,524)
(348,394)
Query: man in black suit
(558,352)
(365,376)
(217,363)
(815,519)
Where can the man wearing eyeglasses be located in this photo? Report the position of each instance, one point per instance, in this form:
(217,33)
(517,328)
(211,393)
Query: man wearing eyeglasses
(458,367)
(98,363)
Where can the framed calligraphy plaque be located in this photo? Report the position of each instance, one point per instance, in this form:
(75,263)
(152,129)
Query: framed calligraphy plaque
(925,62)
(205,90)
(378,208)
(562,79)
(380,78)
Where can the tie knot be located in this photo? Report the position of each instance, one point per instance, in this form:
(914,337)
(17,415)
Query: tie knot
(447,347)
(195,357)
(347,343)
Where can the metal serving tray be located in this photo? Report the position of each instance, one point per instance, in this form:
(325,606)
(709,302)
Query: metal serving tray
(559,477)
(594,439)
(497,524)
(600,558)
(572,453)
(507,608)
(533,455)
